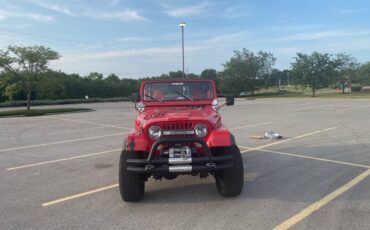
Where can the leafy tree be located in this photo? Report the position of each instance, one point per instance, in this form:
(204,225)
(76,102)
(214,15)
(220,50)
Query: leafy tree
(247,70)
(348,67)
(316,70)
(27,61)
(95,76)
(112,78)
(11,87)
(363,74)
(210,74)
(192,76)
(273,78)
(175,75)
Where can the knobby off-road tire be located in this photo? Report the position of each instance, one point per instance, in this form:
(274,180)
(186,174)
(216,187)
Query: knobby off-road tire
(230,182)
(131,185)
(170,176)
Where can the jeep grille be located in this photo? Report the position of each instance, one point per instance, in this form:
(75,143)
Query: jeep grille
(178,126)
(178,129)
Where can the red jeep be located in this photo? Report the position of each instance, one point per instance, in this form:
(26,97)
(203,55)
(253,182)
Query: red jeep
(179,131)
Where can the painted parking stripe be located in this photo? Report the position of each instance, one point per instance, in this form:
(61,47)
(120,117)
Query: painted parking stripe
(60,142)
(63,159)
(354,108)
(54,132)
(253,125)
(313,158)
(116,185)
(288,140)
(91,123)
(79,195)
(92,154)
(313,107)
(322,202)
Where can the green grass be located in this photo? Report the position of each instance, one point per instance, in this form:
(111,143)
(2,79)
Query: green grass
(353,95)
(62,101)
(40,112)
(298,92)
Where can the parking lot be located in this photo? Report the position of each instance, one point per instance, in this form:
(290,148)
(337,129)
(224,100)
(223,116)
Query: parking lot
(61,171)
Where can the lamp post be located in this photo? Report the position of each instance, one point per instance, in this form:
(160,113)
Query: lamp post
(182,25)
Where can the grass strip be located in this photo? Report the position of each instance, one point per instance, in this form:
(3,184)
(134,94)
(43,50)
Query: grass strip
(40,112)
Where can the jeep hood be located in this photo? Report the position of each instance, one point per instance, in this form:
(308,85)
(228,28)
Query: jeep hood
(180,113)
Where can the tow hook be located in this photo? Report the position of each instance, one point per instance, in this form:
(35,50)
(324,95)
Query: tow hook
(211,165)
(149,168)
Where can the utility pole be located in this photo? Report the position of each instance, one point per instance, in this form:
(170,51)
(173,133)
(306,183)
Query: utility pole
(279,83)
(182,25)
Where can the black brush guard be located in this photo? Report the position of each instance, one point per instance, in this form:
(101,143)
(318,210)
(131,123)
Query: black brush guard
(208,163)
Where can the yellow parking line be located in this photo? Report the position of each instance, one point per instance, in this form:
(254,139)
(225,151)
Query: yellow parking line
(320,203)
(253,125)
(314,158)
(63,159)
(79,195)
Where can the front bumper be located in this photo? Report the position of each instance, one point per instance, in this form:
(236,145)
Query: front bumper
(207,163)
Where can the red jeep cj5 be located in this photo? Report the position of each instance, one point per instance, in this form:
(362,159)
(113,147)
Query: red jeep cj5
(179,131)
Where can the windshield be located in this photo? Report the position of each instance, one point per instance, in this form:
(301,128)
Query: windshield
(177,91)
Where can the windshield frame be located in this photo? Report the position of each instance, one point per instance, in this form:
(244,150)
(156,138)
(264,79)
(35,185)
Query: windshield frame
(178,102)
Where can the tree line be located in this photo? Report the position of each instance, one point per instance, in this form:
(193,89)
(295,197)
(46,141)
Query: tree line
(24,74)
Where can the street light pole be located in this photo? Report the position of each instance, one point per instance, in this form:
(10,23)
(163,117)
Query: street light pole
(182,25)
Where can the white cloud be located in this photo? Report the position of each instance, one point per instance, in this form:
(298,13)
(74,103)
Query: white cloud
(56,7)
(124,15)
(137,39)
(2,17)
(131,39)
(113,3)
(19,26)
(187,11)
(154,51)
(37,17)
(319,35)
(83,11)
(231,37)
(295,27)
(31,15)
(235,12)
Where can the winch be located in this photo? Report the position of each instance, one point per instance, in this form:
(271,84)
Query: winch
(179,159)
(182,152)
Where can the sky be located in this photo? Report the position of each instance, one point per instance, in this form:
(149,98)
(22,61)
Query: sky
(142,38)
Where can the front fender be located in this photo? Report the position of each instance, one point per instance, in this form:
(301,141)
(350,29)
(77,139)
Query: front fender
(136,142)
(220,138)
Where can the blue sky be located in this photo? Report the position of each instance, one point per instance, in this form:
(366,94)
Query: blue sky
(142,38)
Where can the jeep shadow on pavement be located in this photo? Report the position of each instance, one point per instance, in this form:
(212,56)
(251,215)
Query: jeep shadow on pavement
(179,131)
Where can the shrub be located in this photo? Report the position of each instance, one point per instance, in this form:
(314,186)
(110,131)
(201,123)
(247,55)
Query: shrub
(356,88)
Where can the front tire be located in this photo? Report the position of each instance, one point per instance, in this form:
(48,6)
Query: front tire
(230,182)
(131,185)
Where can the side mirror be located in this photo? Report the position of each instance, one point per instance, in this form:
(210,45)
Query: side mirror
(136,97)
(229,100)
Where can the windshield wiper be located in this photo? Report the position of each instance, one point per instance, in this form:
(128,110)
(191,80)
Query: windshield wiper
(153,98)
(189,98)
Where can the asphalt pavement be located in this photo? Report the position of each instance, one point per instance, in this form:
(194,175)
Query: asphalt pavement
(61,171)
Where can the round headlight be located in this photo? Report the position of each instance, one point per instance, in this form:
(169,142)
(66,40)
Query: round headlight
(201,130)
(155,132)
